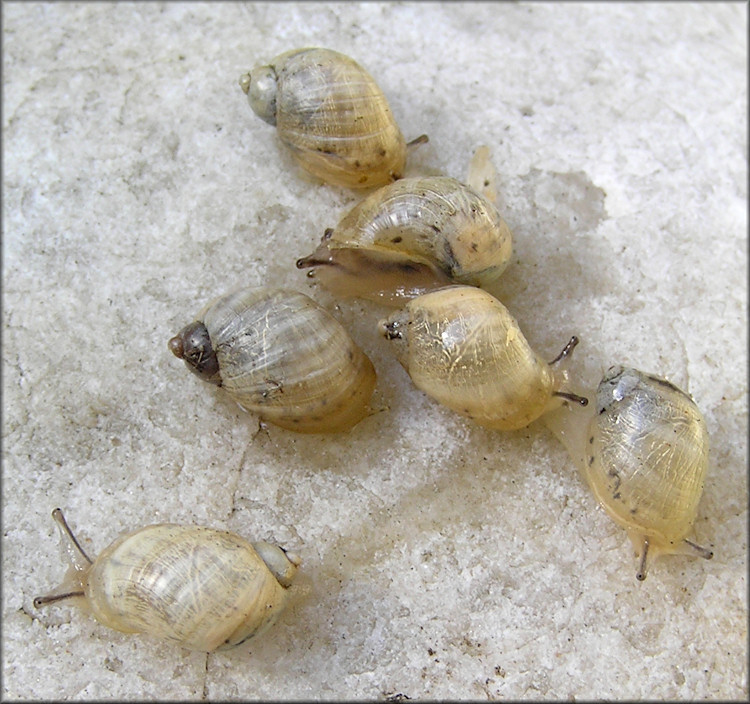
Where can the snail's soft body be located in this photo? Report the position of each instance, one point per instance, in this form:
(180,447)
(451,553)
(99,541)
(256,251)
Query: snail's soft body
(463,348)
(646,460)
(205,589)
(280,355)
(331,114)
(410,237)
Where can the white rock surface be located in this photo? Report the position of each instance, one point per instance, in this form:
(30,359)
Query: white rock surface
(441,560)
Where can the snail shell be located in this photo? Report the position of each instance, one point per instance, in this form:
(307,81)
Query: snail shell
(280,355)
(646,460)
(412,236)
(202,588)
(331,114)
(461,346)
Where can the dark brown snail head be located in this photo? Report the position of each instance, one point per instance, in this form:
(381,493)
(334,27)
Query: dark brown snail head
(193,344)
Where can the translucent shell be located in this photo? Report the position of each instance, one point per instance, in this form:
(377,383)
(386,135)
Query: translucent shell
(331,114)
(463,348)
(646,460)
(204,589)
(280,355)
(410,237)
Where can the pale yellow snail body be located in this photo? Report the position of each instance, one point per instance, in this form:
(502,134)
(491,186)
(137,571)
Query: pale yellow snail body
(463,348)
(646,459)
(410,237)
(332,116)
(280,355)
(204,589)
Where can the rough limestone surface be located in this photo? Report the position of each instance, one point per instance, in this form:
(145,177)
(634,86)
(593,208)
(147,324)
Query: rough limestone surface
(440,559)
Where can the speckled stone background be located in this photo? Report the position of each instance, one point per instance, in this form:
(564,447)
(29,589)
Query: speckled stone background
(441,560)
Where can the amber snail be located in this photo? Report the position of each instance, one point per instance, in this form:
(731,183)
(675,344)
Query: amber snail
(646,459)
(202,588)
(331,114)
(280,355)
(410,237)
(463,348)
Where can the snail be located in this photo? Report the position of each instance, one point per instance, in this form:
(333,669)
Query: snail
(280,355)
(462,347)
(202,588)
(646,459)
(332,116)
(410,237)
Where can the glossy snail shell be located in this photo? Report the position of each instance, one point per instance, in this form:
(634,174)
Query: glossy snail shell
(646,460)
(202,588)
(463,348)
(280,355)
(410,237)
(331,114)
